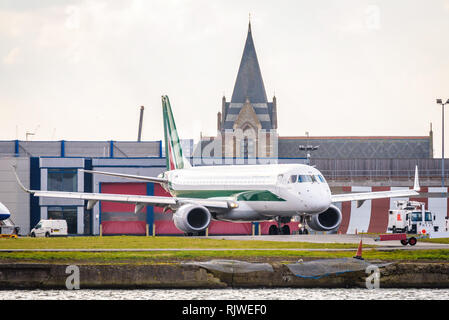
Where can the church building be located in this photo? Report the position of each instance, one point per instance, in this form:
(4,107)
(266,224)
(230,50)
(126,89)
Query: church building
(247,124)
(247,130)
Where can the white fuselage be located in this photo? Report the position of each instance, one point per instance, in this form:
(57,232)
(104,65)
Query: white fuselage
(261,191)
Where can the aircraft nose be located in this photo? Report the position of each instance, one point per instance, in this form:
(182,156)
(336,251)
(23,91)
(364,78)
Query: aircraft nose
(322,202)
(4,212)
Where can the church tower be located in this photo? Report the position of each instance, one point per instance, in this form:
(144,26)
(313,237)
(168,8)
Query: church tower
(248,123)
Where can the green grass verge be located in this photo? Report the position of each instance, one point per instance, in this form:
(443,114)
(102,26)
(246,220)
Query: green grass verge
(136,242)
(440,240)
(176,256)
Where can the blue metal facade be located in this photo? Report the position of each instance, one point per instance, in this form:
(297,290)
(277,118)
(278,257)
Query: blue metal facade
(35,184)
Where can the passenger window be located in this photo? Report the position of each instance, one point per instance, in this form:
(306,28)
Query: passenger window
(292,179)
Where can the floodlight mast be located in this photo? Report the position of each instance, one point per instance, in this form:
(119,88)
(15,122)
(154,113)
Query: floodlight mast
(308,148)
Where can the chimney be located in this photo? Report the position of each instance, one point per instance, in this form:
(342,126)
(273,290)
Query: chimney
(139,134)
(431,142)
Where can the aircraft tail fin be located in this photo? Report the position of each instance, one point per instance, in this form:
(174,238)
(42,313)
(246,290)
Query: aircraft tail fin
(173,150)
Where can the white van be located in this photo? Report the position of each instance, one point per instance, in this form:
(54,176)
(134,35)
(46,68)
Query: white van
(49,228)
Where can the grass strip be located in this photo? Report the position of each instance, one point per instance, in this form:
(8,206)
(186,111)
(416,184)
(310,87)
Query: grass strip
(437,240)
(170,256)
(139,242)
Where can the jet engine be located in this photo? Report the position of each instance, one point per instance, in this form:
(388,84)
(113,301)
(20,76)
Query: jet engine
(325,221)
(191,218)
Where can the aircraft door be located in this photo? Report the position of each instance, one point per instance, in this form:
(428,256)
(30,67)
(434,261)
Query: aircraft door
(279,183)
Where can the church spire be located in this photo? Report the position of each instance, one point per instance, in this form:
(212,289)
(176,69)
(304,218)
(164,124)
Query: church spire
(249,81)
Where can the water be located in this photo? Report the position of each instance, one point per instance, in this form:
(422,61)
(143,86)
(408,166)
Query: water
(229,294)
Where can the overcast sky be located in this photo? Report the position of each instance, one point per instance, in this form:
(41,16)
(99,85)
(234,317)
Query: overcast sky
(80,70)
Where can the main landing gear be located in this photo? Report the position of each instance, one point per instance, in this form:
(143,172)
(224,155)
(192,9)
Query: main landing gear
(194,234)
(279,229)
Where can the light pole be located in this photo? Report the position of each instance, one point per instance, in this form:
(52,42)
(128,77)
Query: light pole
(439,101)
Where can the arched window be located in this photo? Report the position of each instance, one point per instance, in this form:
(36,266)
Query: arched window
(248,146)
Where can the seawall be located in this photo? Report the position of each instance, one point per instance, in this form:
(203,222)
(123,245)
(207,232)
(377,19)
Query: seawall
(131,276)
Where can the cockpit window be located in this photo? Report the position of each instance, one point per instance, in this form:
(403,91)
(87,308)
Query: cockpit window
(304,178)
(321,178)
(313,178)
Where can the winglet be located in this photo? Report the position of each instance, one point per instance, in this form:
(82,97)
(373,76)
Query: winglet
(18,180)
(416,186)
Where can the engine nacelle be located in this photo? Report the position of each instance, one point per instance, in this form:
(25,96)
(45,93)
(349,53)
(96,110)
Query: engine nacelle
(192,218)
(325,221)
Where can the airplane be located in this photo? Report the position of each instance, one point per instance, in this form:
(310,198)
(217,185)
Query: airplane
(237,193)
(4,212)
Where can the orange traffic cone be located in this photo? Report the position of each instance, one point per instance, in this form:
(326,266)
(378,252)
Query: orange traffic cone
(359,252)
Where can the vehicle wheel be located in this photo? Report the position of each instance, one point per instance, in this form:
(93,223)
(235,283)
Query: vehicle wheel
(299,231)
(404,242)
(305,231)
(33,235)
(285,229)
(412,241)
(394,230)
(47,235)
(273,230)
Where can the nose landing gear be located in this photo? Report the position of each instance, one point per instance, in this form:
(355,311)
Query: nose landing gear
(302,226)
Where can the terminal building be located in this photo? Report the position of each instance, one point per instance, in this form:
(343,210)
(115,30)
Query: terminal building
(247,130)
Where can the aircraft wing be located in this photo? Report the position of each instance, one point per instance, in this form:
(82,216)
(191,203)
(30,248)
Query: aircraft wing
(373,195)
(135,199)
(138,200)
(361,197)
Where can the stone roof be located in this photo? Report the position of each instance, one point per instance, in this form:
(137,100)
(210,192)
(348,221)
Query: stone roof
(249,83)
(357,147)
(352,147)
(249,86)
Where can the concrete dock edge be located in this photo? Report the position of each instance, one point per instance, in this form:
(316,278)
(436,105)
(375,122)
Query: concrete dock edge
(170,276)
